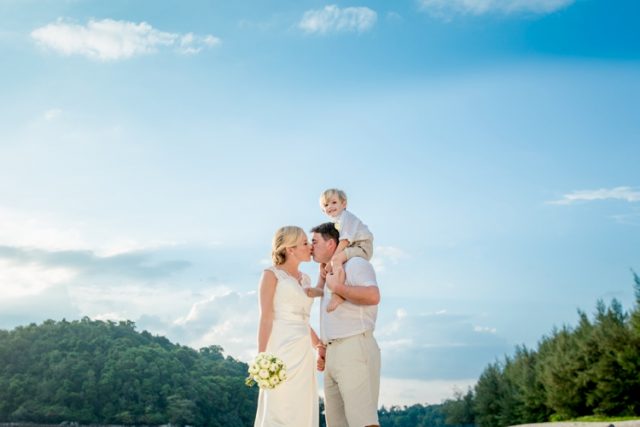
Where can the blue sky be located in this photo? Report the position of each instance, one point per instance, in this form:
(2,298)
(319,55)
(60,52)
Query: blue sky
(149,150)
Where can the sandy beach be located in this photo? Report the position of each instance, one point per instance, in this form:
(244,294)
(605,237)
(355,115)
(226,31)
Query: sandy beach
(631,423)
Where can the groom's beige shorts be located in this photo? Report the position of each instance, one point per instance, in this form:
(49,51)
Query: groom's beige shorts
(352,381)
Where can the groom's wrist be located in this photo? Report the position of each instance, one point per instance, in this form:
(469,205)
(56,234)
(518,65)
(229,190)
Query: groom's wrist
(340,289)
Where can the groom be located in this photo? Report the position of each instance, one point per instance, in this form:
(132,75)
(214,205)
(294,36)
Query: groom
(352,358)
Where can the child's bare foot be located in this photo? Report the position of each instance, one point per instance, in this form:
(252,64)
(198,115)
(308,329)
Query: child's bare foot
(334,302)
(313,292)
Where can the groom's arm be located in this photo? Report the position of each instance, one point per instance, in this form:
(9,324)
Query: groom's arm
(365,294)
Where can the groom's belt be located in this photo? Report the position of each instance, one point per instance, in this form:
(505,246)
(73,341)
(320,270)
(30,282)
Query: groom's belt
(367,333)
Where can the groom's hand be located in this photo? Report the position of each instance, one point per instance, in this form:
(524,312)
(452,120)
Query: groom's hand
(322,353)
(323,271)
(335,281)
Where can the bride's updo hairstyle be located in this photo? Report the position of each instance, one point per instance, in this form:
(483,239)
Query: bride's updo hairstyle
(285,237)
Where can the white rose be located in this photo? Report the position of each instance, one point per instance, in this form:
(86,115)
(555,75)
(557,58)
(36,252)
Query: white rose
(274,380)
(282,374)
(264,384)
(253,369)
(263,373)
(264,363)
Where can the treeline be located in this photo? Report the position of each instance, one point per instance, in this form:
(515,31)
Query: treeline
(415,416)
(95,372)
(590,369)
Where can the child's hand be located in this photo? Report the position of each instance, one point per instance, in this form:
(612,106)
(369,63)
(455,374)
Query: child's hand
(313,292)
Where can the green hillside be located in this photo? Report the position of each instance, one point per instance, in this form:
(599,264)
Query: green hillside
(108,373)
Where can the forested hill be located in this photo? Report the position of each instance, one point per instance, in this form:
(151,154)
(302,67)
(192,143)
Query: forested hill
(590,369)
(105,372)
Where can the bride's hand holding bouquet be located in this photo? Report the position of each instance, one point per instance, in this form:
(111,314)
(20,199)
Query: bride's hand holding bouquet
(267,371)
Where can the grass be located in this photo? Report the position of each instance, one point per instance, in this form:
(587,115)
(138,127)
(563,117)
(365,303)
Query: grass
(592,418)
(601,418)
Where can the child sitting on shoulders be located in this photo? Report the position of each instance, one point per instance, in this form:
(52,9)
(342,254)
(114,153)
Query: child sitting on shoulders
(355,239)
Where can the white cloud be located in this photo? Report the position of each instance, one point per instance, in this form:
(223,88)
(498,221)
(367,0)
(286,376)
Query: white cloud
(394,16)
(226,318)
(485,329)
(394,391)
(20,280)
(52,303)
(445,8)
(52,114)
(110,40)
(130,299)
(334,19)
(628,219)
(46,231)
(618,193)
(437,346)
(191,44)
(383,255)
(30,229)
(113,316)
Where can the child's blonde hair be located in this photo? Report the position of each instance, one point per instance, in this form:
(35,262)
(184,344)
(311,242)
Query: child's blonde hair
(332,192)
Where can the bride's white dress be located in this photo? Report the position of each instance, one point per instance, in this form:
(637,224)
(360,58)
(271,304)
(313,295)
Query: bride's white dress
(293,403)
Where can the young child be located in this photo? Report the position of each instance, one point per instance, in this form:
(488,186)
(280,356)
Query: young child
(355,238)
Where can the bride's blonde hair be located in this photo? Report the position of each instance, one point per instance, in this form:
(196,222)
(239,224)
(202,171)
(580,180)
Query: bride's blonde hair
(285,237)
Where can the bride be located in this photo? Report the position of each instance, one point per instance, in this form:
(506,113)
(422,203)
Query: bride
(284,331)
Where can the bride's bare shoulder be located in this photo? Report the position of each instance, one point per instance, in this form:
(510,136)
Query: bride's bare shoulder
(269,274)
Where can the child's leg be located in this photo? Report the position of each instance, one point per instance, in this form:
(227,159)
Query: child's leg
(361,248)
(334,302)
(337,261)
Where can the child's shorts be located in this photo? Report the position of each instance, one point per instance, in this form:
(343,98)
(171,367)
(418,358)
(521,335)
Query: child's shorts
(361,248)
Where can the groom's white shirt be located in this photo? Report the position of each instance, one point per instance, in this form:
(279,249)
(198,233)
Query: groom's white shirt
(350,319)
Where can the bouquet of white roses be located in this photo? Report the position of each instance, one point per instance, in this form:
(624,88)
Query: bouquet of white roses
(267,371)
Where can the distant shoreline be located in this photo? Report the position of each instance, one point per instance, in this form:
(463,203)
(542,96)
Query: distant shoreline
(73,424)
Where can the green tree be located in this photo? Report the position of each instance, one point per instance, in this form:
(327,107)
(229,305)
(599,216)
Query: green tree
(107,372)
(616,369)
(527,403)
(459,410)
(489,392)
